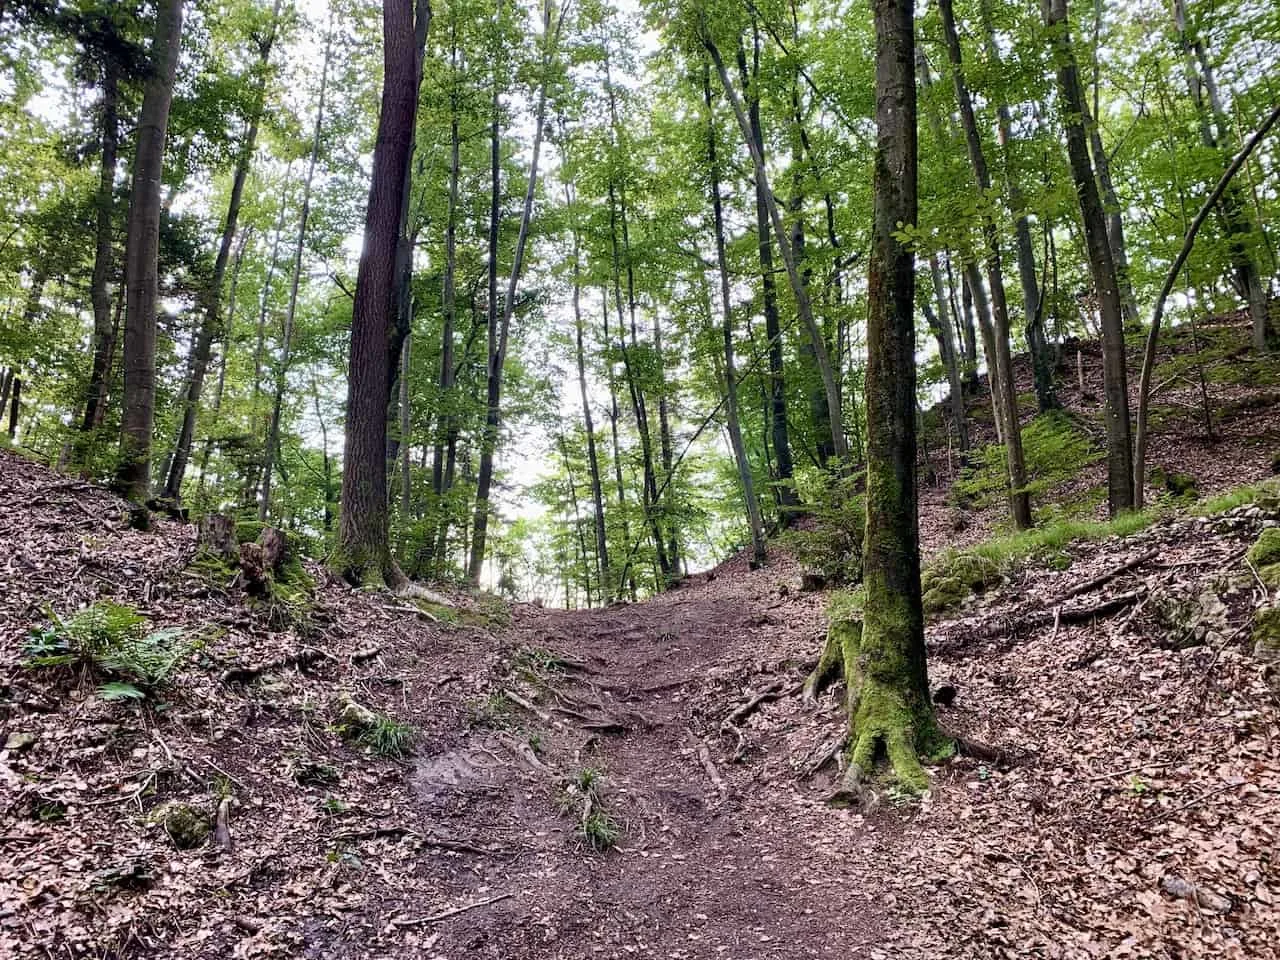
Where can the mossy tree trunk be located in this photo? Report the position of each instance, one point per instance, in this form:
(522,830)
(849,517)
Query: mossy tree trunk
(890,714)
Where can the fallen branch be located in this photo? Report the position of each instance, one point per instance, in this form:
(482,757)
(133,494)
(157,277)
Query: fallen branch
(1108,575)
(775,692)
(446,914)
(303,659)
(426,839)
(704,756)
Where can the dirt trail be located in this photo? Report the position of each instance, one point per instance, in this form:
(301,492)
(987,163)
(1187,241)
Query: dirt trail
(1137,820)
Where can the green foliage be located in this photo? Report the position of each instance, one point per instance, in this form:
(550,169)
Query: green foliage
(583,797)
(381,734)
(112,640)
(1055,450)
(830,541)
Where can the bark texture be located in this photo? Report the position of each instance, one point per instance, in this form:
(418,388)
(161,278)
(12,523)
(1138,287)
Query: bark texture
(142,281)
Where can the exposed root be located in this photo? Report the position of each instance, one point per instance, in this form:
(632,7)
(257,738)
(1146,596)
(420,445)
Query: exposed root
(826,672)
(717,781)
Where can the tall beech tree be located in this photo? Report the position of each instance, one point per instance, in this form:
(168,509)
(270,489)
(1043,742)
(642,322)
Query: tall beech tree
(363,552)
(211,325)
(1001,377)
(1120,488)
(142,271)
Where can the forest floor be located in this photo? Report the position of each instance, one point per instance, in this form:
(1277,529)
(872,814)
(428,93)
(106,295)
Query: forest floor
(1134,814)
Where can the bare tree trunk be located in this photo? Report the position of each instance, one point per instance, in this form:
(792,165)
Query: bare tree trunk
(1153,336)
(363,552)
(976,297)
(1203,84)
(604,575)
(784,471)
(103,257)
(1001,376)
(733,423)
(211,327)
(142,281)
(1120,487)
(15,403)
(1041,358)
(950,358)
(271,449)
(222,360)
(615,414)
(804,307)
(498,344)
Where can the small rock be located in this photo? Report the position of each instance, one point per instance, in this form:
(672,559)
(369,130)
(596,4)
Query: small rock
(19,741)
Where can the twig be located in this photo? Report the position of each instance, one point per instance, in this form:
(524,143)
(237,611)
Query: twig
(1057,622)
(238,782)
(446,914)
(1200,798)
(222,825)
(1138,769)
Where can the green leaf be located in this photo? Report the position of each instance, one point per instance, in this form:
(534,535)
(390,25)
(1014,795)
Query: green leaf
(120,691)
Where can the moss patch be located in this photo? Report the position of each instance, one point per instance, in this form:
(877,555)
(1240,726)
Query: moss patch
(187,825)
(1266,550)
(1266,633)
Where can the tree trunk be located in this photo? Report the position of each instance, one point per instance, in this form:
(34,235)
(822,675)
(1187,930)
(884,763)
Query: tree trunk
(211,329)
(831,390)
(615,415)
(363,553)
(271,448)
(976,297)
(950,358)
(784,470)
(1001,376)
(890,713)
(142,281)
(1120,489)
(733,423)
(103,258)
(604,575)
(499,338)
(1033,314)
(15,403)
(222,361)
(1201,83)
(406,493)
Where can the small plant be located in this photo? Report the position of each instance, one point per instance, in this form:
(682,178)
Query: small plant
(1138,786)
(830,544)
(583,797)
(334,806)
(378,732)
(112,640)
(494,711)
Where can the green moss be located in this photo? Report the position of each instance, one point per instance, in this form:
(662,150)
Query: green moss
(1054,448)
(187,826)
(1266,550)
(1266,633)
(248,531)
(954,574)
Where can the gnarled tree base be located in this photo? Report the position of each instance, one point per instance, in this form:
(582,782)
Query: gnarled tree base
(891,724)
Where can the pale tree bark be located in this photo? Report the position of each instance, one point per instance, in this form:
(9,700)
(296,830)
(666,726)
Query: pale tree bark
(211,325)
(1032,308)
(1120,488)
(733,422)
(1001,374)
(363,552)
(776,408)
(831,389)
(499,339)
(142,279)
(271,449)
(950,354)
(604,575)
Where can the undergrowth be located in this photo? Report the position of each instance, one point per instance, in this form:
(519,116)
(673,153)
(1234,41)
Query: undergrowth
(582,796)
(111,640)
(1054,447)
(954,574)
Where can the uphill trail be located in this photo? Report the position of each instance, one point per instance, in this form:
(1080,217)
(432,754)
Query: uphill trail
(1133,813)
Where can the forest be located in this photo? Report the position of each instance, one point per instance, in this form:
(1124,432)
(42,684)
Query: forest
(562,418)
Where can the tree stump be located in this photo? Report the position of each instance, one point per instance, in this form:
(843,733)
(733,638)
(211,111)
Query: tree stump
(218,536)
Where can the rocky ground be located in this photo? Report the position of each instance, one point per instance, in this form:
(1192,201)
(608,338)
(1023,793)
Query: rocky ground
(639,781)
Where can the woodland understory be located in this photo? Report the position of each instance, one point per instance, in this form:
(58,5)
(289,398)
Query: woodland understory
(700,478)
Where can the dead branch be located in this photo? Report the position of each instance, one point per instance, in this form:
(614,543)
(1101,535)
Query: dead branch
(446,914)
(704,757)
(1107,576)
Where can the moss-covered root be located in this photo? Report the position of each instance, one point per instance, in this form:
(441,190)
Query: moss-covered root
(891,722)
(827,671)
